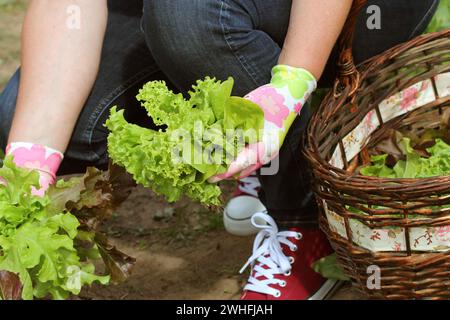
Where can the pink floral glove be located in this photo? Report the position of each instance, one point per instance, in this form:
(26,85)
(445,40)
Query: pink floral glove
(282,100)
(37,157)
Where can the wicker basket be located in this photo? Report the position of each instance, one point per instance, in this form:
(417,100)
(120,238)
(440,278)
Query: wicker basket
(408,238)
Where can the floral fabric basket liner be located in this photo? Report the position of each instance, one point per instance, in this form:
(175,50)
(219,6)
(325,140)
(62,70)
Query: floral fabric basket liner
(427,239)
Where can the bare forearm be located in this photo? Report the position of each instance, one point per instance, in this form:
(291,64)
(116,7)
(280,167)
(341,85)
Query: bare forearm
(60,61)
(314,28)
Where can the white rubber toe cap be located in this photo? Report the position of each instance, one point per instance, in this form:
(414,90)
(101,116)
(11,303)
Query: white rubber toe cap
(238,213)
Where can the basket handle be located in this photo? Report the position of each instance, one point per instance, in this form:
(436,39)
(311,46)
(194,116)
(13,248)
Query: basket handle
(348,75)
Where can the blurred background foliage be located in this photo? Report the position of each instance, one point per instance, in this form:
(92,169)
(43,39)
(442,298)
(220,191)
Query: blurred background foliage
(441,19)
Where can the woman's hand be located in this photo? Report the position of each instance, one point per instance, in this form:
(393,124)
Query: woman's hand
(43,159)
(281,100)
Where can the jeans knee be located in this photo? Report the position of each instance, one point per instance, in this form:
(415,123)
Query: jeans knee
(8,99)
(179,26)
(181,33)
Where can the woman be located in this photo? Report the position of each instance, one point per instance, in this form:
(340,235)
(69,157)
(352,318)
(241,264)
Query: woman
(276,50)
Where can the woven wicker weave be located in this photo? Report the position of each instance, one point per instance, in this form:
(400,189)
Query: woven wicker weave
(414,268)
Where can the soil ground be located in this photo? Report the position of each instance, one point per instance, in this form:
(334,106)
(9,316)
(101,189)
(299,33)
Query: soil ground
(182,250)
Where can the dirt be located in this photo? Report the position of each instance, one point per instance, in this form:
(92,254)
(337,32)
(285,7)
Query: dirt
(182,250)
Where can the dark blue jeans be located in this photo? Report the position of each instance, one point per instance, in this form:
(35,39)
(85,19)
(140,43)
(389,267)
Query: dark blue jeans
(181,41)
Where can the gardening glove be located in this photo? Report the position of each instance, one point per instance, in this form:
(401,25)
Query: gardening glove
(37,157)
(281,100)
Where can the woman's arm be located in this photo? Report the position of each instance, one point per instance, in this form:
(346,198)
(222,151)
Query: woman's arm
(314,28)
(60,60)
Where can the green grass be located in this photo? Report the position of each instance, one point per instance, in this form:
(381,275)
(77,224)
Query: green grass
(11,6)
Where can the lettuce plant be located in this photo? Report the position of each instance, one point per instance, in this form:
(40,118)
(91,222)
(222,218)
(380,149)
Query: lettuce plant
(48,245)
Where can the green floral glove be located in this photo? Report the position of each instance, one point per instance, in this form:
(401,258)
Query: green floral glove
(282,100)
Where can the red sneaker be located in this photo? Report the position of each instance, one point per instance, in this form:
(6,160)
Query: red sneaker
(282,263)
(239,210)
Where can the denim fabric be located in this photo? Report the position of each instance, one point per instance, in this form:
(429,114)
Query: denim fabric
(181,41)
(126,64)
(8,100)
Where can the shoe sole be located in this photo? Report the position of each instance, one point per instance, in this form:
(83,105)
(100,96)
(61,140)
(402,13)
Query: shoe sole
(327,290)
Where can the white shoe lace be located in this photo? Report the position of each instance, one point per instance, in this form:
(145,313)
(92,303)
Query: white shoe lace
(268,258)
(250,185)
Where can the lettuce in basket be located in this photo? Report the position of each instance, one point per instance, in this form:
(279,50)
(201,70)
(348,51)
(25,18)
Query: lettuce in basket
(193,144)
(437,162)
(408,163)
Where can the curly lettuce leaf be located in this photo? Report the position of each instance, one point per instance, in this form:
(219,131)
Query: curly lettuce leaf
(329,268)
(193,146)
(10,286)
(39,239)
(378,168)
(92,198)
(414,165)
